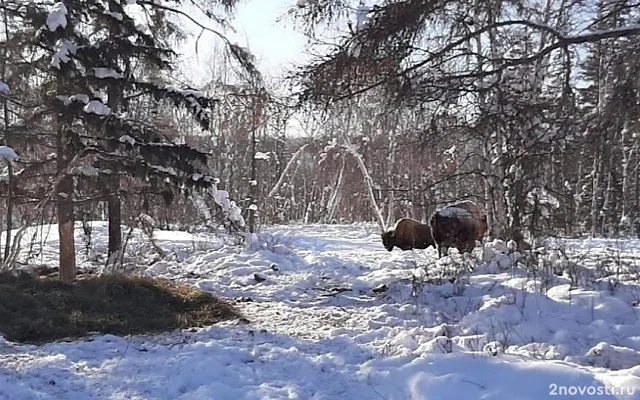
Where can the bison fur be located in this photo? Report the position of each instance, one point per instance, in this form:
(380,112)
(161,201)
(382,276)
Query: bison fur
(458,225)
(408,234)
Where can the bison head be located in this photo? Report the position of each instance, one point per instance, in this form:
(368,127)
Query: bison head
(388,239)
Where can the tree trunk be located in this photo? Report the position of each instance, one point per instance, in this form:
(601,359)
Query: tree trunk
(608,203)
(368,181)
(5,107)
(595,203)
(334,200)
(7,243)
(115,223)
(113,182)
(390,175)
(636,196)
(255,123)
(291,162)
(66,217)
(577,194)
(625,218)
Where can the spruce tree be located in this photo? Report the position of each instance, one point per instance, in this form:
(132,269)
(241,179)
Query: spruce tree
(98,58)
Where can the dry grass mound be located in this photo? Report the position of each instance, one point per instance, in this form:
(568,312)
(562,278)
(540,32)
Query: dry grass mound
(37,310)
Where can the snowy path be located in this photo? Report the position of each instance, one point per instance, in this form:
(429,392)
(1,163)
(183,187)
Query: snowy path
(319,330)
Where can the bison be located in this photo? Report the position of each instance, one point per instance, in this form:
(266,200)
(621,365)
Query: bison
(408,234)
(458,225)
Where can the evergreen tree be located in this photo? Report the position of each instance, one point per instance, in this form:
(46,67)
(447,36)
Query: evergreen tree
(98,59)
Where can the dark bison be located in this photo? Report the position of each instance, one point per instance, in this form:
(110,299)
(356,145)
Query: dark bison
(458,225)
(408,234)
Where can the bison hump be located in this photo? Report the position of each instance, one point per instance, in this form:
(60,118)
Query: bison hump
(455,212)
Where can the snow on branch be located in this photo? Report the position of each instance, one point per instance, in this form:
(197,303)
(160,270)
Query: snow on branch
(115,15)
(127,139)
(62,56)
(131,134)
(261,156)
(104,73)
(97,107)
(66,100)
(57,18)
(195,100)
(8,154)
(91,106)
(229,207)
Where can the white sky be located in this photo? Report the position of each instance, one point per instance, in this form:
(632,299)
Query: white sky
(271,35)
(263,27)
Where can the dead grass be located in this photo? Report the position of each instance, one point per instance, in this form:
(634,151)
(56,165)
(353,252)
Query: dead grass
(37,310)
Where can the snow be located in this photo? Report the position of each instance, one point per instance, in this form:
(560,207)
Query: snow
(63,55)
(4,88)
(167,170)
(103,73)
(542,196)
(185,92)
(97,107)
(127,139)
(454,212)
(229,207)
(362,15)
(87,170)
(192,96)
(115,15)
(8,154)
(66,100)
(261,156)
(57,17)
(336,316)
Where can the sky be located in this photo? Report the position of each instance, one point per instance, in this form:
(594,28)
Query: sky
(261,26)
(270,34)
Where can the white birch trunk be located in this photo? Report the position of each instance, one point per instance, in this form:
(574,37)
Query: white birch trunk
(368,181)
(291,162)
(336,195)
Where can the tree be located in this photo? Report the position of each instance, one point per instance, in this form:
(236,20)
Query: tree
(504,82)
(99,59)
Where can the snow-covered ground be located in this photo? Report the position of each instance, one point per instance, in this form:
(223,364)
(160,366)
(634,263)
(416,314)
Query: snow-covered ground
(335,316)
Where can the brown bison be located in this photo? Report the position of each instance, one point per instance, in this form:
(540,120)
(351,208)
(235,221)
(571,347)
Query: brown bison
(407,235)
(458,225)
